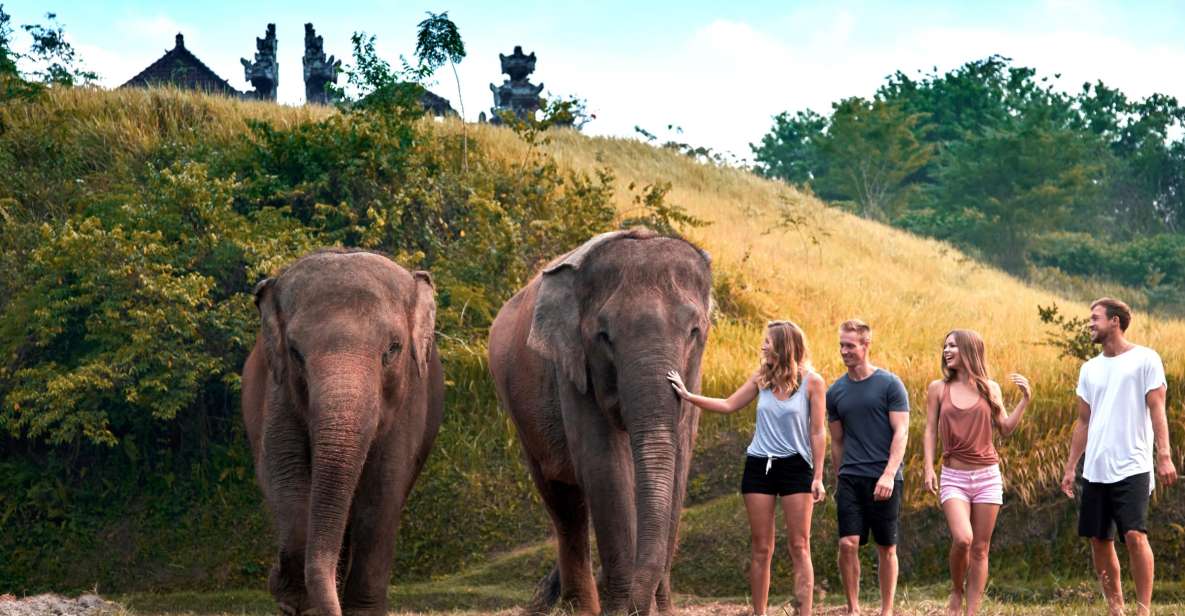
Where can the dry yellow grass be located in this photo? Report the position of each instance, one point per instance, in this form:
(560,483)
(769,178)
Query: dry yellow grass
(912,290)
(117,117)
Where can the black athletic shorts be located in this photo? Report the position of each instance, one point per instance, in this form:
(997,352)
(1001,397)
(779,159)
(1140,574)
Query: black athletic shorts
(780,477)
(860,513)
(1122,505)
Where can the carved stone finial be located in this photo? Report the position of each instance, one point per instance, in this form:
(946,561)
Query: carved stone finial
(319,70)
(180,41)
(264,73)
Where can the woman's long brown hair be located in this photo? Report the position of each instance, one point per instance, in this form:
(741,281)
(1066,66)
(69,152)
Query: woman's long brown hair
(971,351)
(788,346)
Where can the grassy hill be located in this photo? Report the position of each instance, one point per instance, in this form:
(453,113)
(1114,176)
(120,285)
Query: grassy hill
(777,253)
(829,266)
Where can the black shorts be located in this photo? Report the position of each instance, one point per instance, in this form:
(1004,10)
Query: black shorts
(790,475)
(1108,506)
(859,513)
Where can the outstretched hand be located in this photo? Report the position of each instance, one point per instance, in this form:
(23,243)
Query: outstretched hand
(677,384)
(1021,382)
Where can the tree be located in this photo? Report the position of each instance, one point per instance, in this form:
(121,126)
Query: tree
(790,150)
(1146,170)
(872,149)
(438,41)
(57,62)
(1006,186)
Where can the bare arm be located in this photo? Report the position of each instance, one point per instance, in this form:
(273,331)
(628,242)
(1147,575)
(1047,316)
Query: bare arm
(836,444)
(737,401)
(930,438)
(1077,446)
(1009,421)
(1165,470)
(817,394)
(900,424)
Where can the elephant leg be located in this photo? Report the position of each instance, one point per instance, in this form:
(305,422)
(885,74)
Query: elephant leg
(608,488)
(286,466)
(374,525)
(569,514)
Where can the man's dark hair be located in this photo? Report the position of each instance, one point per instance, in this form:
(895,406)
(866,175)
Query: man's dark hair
(1115,310)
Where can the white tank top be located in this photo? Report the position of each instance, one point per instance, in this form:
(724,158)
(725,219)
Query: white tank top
(783,426)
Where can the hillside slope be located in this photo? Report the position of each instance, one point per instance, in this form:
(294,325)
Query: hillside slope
(823,267)
(830,266)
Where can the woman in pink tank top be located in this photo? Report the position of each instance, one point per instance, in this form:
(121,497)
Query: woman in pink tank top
(963,409)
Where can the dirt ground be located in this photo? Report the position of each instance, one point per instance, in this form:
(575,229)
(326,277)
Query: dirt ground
(57,605)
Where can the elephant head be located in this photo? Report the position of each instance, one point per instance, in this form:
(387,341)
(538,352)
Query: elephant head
(615,316)
(347,336)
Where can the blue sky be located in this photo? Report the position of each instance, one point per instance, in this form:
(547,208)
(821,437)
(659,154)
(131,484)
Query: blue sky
(719,70)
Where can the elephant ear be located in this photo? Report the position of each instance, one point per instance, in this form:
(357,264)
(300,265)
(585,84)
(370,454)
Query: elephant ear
(555,324)
(271,324)
(423,332)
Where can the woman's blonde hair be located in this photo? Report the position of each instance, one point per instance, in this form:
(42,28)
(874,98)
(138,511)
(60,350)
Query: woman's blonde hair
(971,350)
(791,357)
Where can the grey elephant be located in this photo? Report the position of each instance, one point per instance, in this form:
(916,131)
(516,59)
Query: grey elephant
(342,397)
(579,358)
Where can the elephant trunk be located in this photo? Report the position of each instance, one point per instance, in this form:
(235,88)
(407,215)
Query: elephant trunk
(651,414)
(343,406)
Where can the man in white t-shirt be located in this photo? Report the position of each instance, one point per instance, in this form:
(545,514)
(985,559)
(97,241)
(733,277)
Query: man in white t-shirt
(1121,416)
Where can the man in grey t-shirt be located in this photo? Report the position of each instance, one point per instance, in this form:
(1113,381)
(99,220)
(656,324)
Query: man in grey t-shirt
(868,413)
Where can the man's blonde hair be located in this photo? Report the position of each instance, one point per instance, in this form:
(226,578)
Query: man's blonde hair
(859,327)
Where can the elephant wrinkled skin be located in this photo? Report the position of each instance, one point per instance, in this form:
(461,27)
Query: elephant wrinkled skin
(579,358)
(342,397)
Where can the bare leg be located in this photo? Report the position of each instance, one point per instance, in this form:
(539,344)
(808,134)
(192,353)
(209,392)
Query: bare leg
(887,559)
(849,569)
(958,518)
(798,509)
(1106,567)
(1143,566)
(983,523)
(760,508)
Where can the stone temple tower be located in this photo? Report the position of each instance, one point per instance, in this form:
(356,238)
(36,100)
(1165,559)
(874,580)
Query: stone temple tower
(517,94)
(319,70)
(264,72)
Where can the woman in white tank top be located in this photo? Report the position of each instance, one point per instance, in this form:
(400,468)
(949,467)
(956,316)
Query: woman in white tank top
(785,458)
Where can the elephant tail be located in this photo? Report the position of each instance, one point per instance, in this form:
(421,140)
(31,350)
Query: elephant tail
(547,593)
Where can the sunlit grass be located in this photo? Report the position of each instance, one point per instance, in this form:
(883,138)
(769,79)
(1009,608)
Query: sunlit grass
(833,266)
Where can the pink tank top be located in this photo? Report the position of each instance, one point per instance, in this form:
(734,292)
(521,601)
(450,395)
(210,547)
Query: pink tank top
(966,433)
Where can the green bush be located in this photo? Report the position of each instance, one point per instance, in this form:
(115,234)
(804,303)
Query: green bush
(126,316)
(132,239)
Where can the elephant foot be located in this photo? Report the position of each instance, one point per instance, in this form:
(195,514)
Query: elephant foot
(547,594)
(290,594)
(289,610)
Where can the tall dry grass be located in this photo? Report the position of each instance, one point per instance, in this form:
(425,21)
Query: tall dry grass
(832,266)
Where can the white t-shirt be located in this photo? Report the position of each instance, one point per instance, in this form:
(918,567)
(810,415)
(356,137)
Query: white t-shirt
(1119,439)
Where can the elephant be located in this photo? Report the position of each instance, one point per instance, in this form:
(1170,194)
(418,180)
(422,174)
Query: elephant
(342,396)
(579,358)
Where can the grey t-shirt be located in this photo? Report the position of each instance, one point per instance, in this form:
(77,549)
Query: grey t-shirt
(863,407)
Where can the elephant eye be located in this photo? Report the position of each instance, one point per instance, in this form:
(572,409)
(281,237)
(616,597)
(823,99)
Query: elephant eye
(603,338)
(296,356)
(695,332)
(392,351)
